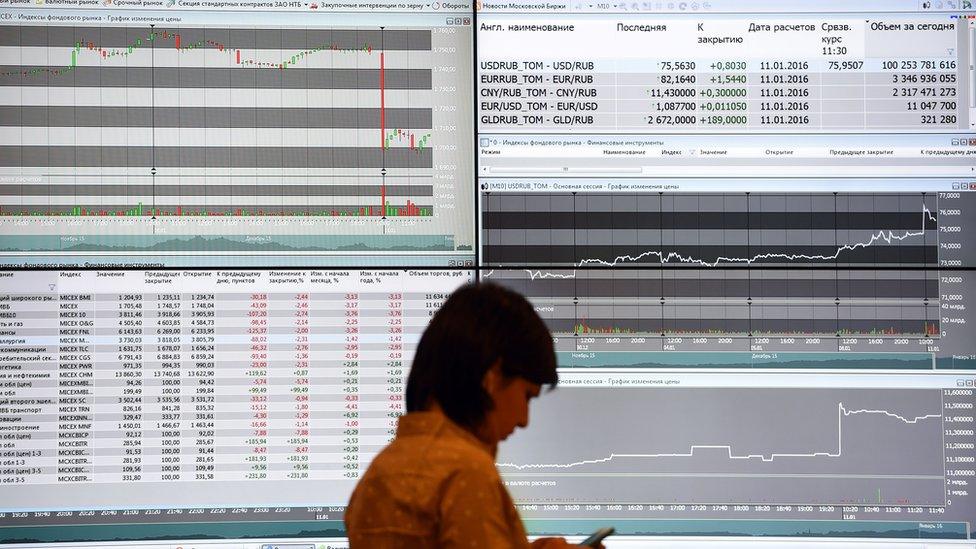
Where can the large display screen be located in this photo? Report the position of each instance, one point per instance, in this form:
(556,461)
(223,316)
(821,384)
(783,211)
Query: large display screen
(224,226)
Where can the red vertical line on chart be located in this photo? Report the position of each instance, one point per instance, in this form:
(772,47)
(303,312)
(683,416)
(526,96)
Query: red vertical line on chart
(152,113)
(383,138)
(382,104)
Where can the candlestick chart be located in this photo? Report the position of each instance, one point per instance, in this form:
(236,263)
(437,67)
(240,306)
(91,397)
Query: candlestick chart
(167,135)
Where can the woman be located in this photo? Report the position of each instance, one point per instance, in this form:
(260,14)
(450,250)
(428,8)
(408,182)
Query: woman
(484,355)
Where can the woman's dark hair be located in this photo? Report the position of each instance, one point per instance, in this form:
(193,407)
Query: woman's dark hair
(478,325)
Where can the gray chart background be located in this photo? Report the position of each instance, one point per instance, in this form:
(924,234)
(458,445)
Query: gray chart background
(879,452)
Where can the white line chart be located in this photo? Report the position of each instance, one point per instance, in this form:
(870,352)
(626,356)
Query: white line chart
(841,413)
(886,236)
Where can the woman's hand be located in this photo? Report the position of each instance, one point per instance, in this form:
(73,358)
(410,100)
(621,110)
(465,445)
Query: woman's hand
(558,543)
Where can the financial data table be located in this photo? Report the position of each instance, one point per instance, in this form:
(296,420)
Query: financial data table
(803,75)
(166,376)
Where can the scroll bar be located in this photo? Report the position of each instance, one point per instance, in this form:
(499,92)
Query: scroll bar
(972,66)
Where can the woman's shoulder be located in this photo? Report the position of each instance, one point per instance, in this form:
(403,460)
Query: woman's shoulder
(417,474)
(429,444)
(436,456)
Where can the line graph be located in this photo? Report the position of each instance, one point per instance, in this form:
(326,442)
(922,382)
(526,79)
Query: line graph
(887,237)
(720,264)
(708,231)
(841,413)
(731,445)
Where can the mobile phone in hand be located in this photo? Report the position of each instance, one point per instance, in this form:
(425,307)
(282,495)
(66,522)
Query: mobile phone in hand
(598,536)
